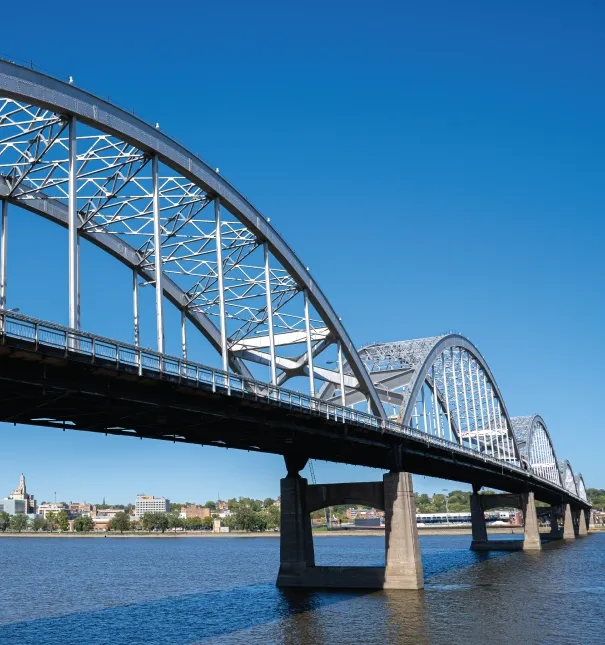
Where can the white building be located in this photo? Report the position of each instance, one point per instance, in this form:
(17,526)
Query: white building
(150,504)
(52,507)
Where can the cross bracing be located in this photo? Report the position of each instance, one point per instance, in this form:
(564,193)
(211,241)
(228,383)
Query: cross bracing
(176,220)
(111,179)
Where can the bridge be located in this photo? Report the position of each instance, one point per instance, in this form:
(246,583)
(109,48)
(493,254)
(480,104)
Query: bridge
(287,380)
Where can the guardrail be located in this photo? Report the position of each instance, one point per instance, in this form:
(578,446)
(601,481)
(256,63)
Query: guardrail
(81,345)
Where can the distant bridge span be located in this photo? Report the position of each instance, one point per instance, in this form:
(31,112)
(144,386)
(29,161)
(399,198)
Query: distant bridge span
(429,406)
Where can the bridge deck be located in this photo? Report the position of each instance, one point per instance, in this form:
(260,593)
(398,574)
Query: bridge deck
(63,385)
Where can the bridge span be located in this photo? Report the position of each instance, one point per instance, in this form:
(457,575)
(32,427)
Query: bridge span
(289,379)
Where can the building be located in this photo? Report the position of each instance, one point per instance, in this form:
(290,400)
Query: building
(101,518)
(20,493)
(192,510)
(362,513)
(150,504)
(222,506)
(52,507)
(13,506)
(80,508)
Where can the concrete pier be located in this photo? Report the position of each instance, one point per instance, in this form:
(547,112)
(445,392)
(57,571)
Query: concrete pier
(531,540)
(296,552)
(394,495)
(404,564)
(583,522)
(478,523)
(569,532)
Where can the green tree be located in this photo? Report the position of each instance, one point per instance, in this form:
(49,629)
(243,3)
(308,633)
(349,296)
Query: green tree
(5,519)
(18,523)
(272,516)
(62,521)
(211,505)
(162,522)
(175,521)
(148,521)
(83,524)
(120,522)
(207,522)
(51,520)
(194,522)
(245,519)
(38,523)
(268,502)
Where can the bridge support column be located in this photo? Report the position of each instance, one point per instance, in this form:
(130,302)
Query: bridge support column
(403,562)
(569,532)
(554,524)
(531,540)
(296,540)
(478,522)
(582,523)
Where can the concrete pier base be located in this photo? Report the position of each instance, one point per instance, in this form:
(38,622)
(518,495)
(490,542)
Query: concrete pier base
(531,540)
(404,564)
(555,533)
(569,532)
(296,541)
(395,495)
(582,523)
(479,542)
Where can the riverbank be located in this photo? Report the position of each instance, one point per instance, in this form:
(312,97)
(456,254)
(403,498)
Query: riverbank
(242,534)
(446,530)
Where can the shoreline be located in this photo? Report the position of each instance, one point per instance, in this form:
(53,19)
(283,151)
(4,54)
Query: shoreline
(240,534)
(513,530)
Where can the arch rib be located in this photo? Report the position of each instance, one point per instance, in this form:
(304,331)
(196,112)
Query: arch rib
(22,84)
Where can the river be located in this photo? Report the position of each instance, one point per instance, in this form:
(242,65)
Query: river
(189,591)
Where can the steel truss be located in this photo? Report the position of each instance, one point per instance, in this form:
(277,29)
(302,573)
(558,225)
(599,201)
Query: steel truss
(536,447)
(105,175)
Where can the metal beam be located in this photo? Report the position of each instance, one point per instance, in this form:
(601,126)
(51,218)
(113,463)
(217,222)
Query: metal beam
(72,227)
(221,284)
(157,250)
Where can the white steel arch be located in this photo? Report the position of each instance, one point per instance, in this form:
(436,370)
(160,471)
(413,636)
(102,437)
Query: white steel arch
(443,387)
(536,447)
(567,476)
(111,178)
(580,487)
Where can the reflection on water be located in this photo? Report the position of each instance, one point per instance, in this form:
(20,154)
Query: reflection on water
(185,592)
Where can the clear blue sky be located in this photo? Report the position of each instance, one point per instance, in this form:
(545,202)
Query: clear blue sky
(438,165)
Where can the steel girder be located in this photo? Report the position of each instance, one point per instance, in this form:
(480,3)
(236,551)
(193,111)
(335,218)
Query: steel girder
(124,185)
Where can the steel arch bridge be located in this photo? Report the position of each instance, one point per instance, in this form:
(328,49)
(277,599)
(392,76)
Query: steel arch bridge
(111,179)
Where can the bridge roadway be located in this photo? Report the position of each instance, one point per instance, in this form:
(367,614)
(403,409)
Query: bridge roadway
(56,377)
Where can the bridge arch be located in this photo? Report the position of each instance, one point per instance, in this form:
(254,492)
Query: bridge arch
(580,487)
(121,183)
(567,476)
(442,386)
(536,447)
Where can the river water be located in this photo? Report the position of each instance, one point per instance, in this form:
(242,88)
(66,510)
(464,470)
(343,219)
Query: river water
(187,591)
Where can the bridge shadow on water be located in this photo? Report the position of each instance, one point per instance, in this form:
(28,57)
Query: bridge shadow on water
(288,617)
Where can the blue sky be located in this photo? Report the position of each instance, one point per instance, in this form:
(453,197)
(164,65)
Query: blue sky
(439,167)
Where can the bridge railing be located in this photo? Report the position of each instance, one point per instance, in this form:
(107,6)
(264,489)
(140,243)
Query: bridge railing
(79,345)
